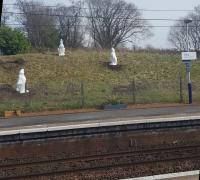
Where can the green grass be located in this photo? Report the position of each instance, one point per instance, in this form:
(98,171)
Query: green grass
(48,78)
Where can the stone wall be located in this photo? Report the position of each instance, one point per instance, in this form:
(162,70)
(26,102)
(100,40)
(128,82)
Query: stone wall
(111,155)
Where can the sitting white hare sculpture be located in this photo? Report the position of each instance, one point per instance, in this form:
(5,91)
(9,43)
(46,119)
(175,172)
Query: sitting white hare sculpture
(21,82)
(113,58)
(61,49)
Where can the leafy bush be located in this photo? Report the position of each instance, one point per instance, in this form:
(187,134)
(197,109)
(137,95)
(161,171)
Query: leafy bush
(12,41)
(113,100)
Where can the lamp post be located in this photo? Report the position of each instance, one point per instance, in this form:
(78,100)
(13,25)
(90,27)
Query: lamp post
(187,21)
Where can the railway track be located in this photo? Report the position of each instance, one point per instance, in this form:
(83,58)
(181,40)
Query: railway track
(99,161)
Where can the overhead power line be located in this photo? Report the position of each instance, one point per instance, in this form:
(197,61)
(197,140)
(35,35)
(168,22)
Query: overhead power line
(150,10)
(83,16)
(85,25)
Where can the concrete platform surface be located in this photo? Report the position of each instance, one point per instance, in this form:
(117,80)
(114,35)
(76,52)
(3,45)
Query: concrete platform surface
(100,116)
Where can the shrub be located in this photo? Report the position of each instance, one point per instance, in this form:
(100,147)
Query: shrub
(12,41)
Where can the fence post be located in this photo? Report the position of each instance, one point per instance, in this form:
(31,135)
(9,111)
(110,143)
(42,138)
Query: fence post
(134,91)
(180,88)
(82,95)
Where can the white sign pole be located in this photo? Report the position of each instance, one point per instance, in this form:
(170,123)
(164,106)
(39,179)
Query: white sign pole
(187,57)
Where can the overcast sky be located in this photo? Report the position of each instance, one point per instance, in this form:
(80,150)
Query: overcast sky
(159,40)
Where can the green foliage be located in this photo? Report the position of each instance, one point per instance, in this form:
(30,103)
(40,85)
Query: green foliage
(112,100)
(12,41)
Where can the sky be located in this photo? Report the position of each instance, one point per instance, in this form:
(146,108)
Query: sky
(159,40)
(160,34)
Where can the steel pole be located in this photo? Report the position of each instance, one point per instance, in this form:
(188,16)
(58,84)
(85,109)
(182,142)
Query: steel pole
(189,76)
(187,37)
(189,89)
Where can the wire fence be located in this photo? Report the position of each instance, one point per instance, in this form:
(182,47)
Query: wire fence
(85,94)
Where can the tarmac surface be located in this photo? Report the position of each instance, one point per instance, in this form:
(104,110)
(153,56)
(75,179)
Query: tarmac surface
(108,115)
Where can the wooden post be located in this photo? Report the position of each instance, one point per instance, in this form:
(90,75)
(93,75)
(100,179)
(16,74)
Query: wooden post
(82,95)
(180,88)
(134,91)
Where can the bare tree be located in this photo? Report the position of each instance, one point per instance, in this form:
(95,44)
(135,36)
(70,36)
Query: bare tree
(177,36)
(178,33)
(5,15)
(69,24)
(39,23)
(114,21)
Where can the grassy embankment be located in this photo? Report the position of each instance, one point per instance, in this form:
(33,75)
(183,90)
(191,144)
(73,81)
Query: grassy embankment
(54,82)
